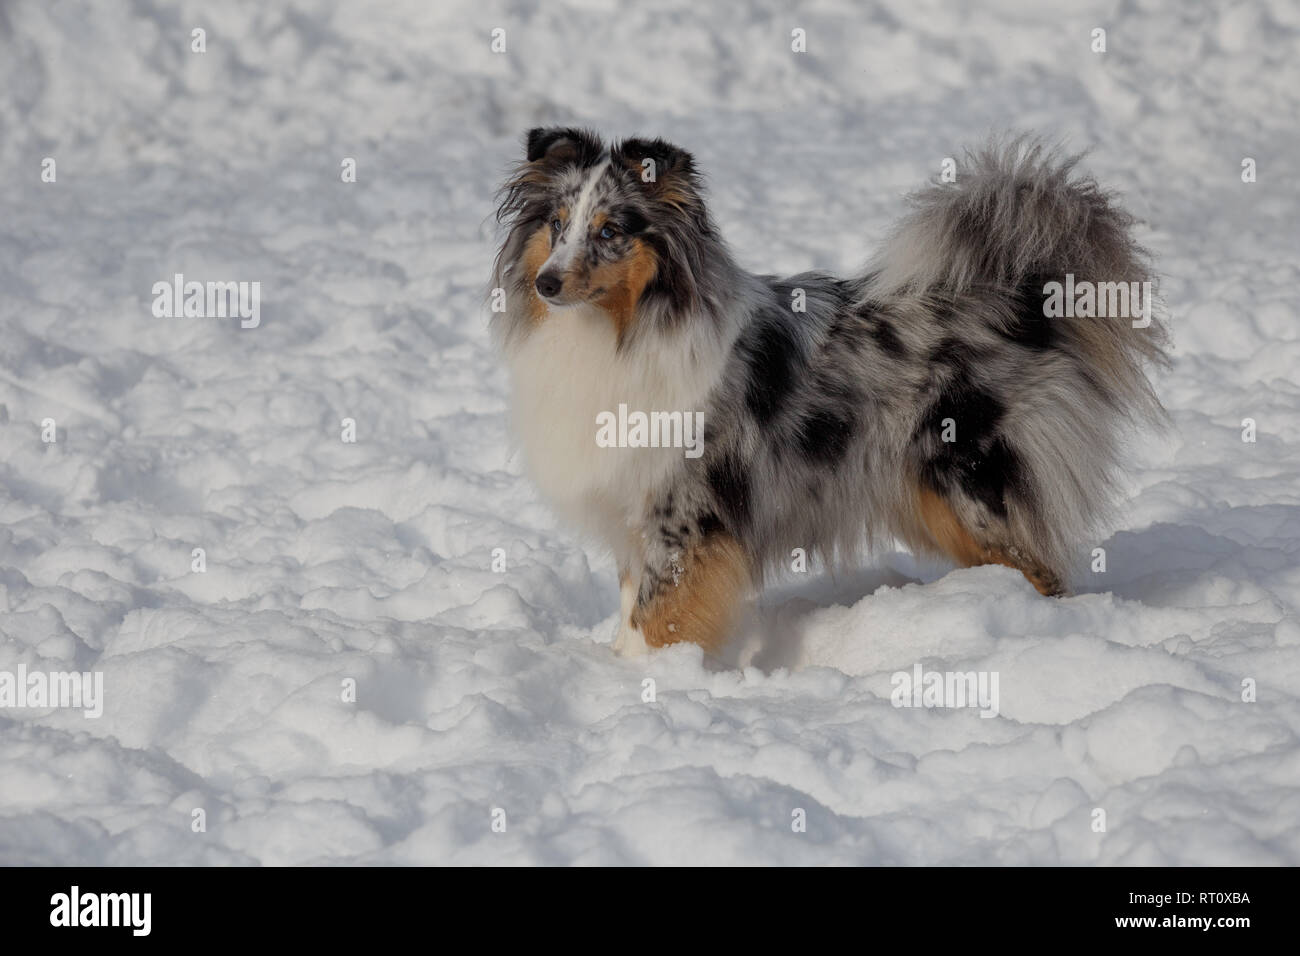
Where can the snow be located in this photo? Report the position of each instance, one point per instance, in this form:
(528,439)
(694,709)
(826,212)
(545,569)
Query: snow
(373,561)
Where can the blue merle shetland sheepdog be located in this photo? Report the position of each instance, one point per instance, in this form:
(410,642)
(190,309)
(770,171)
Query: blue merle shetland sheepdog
(929,400)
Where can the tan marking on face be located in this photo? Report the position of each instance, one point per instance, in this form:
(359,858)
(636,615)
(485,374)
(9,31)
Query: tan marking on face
(622,283)
(702,606)
(536,252)
(951,537)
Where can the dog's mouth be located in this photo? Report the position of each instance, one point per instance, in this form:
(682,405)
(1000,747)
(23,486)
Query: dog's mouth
(561,301)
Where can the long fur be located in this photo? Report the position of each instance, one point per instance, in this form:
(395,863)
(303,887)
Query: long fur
(928,399)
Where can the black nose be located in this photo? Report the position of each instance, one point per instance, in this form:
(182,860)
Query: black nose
(548,284)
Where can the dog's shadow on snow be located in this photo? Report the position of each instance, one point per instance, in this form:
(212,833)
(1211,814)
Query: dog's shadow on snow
(1160,564)
(778,621)
(1163,564)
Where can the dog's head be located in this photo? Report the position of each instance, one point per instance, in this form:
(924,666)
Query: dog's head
(614,227)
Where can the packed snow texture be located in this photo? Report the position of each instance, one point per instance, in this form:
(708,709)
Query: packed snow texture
(481,690)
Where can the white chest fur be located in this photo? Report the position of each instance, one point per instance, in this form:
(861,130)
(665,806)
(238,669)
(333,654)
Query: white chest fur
(565,374)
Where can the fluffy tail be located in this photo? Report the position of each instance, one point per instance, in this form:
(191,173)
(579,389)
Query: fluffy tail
(976,261)
(1019,216)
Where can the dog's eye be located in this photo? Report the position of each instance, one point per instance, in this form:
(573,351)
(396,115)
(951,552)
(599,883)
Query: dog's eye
(556,225)
(608,232)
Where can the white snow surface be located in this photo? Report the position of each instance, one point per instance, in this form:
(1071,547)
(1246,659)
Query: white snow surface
(479,690)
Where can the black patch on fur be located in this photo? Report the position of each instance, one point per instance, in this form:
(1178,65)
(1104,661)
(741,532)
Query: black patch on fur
(671,282)
(1000,475)
(1029,327)
(886,339)
(709,523)
(630,221)
(772,356)
(730,485)
(980,462)
(824,437)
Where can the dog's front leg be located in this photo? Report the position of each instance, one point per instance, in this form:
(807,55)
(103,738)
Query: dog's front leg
(629,642)
(690,588)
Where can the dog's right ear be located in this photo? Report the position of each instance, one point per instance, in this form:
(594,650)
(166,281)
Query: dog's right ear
(564,145)
(548,152)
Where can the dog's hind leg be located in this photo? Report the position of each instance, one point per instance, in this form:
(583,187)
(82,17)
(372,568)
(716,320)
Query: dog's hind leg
(951,536)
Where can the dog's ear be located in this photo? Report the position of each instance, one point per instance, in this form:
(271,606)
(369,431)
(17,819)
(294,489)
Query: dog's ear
(667,172)
(563,145)
(548,151)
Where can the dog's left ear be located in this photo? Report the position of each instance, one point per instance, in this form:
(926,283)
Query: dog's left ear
(667,171)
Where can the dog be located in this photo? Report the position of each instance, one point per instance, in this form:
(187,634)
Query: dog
(937,399)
